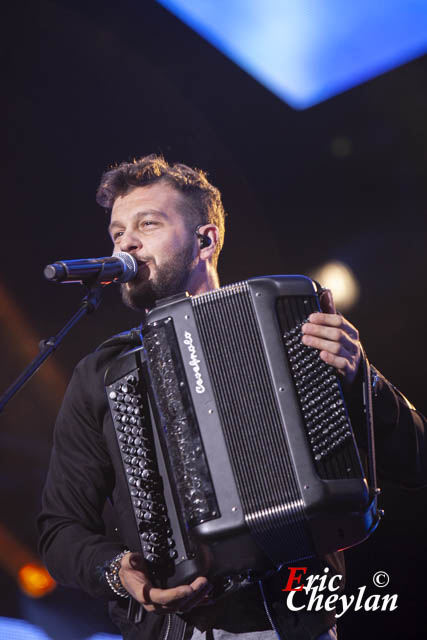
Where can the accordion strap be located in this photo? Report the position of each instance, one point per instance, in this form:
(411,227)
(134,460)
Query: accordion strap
(173,627)
(369,418)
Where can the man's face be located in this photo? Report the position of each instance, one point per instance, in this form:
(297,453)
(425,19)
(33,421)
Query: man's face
(148,222)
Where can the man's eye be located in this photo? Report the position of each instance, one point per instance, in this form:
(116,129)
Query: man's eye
(117,235)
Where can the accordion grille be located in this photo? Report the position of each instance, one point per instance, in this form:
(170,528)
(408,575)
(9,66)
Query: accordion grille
(253,431)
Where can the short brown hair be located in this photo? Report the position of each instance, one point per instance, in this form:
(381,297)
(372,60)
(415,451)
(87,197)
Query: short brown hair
(204,197)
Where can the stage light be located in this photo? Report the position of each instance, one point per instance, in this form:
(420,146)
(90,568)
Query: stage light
(340,279)
(35,581)
(51,380)
(15,629)
(306,51)
(24,566)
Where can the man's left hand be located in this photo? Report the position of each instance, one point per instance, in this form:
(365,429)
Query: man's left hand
(337,341)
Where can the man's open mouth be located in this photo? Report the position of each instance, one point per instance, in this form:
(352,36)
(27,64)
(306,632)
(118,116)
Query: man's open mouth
(142,267)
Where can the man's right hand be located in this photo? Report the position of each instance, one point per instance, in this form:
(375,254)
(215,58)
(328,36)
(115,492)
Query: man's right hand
(134,577)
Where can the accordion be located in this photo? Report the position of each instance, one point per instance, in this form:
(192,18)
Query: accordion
(235,438)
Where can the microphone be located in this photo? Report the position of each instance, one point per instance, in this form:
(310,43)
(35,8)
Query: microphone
(120,267)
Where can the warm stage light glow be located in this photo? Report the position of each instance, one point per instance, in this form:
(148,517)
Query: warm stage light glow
(35,581)
(340,279)
(24,566)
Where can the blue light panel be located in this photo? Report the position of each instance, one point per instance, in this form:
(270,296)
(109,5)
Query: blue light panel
(306,51)
(15,629)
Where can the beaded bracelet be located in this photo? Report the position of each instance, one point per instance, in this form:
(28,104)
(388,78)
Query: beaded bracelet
(111,573)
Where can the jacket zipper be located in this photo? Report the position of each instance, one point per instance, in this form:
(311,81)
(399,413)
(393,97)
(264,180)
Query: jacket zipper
(168,626)
(267,611)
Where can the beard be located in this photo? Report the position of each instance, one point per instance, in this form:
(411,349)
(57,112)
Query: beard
(167,280)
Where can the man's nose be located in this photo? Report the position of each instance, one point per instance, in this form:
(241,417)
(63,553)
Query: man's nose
(130,241)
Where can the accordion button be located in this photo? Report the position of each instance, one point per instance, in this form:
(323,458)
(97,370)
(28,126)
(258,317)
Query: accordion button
(124,388)
(152,558)
(154,496)
(173,554)
(131,379)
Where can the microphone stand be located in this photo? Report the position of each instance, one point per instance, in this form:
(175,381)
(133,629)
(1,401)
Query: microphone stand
(47,346)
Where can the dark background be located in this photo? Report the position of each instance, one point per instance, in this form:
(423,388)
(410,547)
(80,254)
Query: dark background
(91,84)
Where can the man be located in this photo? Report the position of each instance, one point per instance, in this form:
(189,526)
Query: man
(171,219)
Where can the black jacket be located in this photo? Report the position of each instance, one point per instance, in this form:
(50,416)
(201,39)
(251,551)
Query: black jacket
(86,475)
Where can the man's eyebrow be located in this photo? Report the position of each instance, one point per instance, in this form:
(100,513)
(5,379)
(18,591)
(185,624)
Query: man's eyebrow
(138,216)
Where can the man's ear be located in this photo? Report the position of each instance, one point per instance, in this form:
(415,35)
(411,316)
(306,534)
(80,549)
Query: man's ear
(208,235)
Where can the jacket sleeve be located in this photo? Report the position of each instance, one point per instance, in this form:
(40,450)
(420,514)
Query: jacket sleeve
(400,432)
(73,540)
